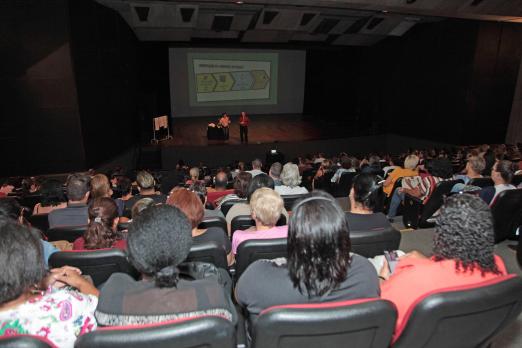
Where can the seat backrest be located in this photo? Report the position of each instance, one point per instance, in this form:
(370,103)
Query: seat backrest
(69,234)
(213,221)
(373,242)
(342,188)
(289,200)
(356,323)
(98,264)
(256,249)
(210,252)
(242,222)
(481,182)
(25,341)
(459,317)
(225,207)
(207,331)
(517,179)
(39,221)
(436,199)
(507,214)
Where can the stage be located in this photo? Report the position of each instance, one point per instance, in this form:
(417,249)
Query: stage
(192,131)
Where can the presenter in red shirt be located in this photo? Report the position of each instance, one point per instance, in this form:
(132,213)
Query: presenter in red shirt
(243,126)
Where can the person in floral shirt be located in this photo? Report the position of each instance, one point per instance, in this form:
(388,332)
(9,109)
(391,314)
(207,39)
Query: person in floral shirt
(58,306)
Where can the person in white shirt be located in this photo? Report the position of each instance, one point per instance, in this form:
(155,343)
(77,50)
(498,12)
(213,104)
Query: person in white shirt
(291,179)
(501,174)
(256,167)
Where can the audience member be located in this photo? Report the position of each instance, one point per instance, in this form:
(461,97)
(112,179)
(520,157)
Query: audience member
(410,169)
(100,187)
(220,188)
(102,230)
(317,231)
(11,210)
(262,180)
(373,166)
(463,247)
(7,187)
(35,302)
(201,191)
(78,188)
(53,197)
(291,179)
(194,176)
(146,188)
(346,167)
(159,241)
(241,183)
(124,189)
(474,167)
(365,195)
(275,173)
(256,167)
(140,206)
(266,208)
(392,164)
(501,174)
(323,177)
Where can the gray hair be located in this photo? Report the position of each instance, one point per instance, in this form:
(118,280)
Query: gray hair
(257,163)
(290,175)
(275,169)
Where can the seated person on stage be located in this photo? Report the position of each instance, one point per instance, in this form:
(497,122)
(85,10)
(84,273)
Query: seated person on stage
(224,122)
(190,204)
(237,209)
(501,174)
(102,231)
(53,197)
(317,231)
(364,196)
(241,183)
(463,247)
(201,191)
(266,206)
(410,169)
(474,167)
(34,302)
(11,210)
(75,214)
(257,166)
(159,241)
(146,188)
(100,187)
(291,180)
(220,188)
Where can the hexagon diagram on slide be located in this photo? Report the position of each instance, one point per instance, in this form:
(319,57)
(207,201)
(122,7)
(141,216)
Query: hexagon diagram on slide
(232,81)
(205,83)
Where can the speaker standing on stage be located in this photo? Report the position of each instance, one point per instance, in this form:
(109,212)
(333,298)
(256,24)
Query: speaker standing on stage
(243,126)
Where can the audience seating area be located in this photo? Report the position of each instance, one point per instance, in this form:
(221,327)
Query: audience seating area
(466,316)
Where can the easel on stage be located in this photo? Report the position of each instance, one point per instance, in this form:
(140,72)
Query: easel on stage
(159,124)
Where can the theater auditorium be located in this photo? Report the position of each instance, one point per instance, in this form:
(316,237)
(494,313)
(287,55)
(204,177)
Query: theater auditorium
(261,173)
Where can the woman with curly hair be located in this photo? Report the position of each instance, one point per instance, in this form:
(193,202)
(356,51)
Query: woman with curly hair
(102,229)
(463,247)
(319,267)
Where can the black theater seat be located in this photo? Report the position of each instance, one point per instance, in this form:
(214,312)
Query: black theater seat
(356,323)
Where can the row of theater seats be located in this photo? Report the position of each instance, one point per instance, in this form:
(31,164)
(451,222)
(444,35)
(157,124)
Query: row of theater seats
(100,264)
(460,317)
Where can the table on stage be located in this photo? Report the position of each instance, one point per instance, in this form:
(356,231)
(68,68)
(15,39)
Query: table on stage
(215,133)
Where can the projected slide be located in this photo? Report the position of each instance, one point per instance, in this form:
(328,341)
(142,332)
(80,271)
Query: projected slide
(233,78)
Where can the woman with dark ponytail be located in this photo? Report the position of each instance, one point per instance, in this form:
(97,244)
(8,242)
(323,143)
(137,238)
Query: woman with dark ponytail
(102,231)
(159,241)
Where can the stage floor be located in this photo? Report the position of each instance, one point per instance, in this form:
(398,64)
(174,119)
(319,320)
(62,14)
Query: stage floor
(263,129)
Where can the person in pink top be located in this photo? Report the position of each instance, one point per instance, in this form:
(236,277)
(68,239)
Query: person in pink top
(267,206)
(463,248)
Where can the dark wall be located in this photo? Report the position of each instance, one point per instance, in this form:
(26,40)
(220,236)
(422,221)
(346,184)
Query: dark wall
(447,81)
(39,117)
(105,63)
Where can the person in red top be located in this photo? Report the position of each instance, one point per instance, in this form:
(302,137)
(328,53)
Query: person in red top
(243,126)
(463,247)
(101,232)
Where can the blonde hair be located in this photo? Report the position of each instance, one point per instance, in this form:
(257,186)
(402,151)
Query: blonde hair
(290,175)
(411,162)
(267,205)
(100,186)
